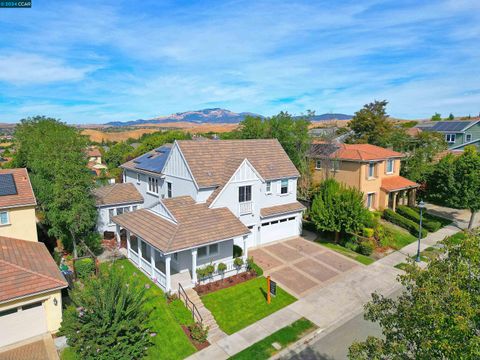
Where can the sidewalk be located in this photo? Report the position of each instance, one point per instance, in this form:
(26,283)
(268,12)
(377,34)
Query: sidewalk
(333,304)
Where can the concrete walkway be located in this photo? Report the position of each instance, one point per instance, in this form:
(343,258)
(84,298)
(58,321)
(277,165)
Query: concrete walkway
(332,305)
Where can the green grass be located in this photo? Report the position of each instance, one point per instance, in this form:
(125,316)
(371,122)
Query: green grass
(401,266)
(165,320)
(363,259)
(241,305)
(400,237)
(458,237)
(285,336)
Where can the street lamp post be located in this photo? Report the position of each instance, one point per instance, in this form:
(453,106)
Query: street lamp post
(421,206)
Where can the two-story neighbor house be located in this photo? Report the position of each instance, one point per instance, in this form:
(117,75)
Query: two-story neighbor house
(372,169)
(17,205)
(201,198)
(458,134)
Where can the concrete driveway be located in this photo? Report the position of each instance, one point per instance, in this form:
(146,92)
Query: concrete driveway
(299,265)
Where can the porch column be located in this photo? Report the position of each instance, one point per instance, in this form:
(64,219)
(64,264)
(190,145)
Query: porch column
(139,251)
(152,260)
(194,266)
(394,203)
(245,250)
(167,273)
(128,244)
(117,233)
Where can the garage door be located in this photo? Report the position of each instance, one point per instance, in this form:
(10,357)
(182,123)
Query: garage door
(278,229)
(22,323)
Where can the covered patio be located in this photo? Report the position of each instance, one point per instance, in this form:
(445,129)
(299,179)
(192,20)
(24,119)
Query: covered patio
(170,252)
(398,190)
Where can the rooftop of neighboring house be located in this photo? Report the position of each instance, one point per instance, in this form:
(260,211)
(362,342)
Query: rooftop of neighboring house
(117,194)
(352,152)
(192,224)
(93,152)
(454,126)
(15,188)
(26,268)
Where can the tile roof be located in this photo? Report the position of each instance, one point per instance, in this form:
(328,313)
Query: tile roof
(24,196)
(209,160)
(26,268)
(355,152)
(93,152)
(123,193)
(195,225)
(392,183)
(281,209)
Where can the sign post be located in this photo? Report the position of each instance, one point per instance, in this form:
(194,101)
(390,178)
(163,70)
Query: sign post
(268,289)
(271,289)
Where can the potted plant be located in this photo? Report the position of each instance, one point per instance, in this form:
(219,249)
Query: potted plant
(238,262)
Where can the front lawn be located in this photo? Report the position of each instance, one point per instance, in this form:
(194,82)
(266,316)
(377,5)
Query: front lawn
(399,237)
(241,305)
(165,319)
(285,336)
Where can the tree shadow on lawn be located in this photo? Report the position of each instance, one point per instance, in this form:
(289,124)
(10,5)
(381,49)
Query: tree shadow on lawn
(264,293)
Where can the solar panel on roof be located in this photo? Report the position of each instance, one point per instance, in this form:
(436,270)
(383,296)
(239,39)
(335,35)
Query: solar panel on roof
(153,161)
(450,126)
(7,185)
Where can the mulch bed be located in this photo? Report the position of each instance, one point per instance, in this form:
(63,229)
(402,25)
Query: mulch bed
(198,346)
(224,283)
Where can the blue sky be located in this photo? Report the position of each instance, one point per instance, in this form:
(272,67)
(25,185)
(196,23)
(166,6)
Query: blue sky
(98,61)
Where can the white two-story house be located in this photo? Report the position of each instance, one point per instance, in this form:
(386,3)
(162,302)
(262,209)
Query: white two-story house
(203,196)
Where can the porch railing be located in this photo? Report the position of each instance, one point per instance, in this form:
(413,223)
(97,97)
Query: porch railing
(160,277)
(229,263)
(134,256)
(145,265)
(189,304)
(245,207)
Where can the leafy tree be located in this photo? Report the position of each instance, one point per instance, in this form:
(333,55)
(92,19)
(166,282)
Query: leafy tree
(371,125)
(455,182)
(117,154)
(451,117)
(253,127)
(107,318)
(151,141)
(438,314)
(437,117)
(338,208)
(54,154)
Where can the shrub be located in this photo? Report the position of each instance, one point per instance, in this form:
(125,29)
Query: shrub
(198,332)
(366,247)
(237,251)
(401,221)
(308,225)
(252,266)
(367,232)
(57,256)
(221,267)
(410,213)
(238,262)
(351,245)
(205,271)
(84,267)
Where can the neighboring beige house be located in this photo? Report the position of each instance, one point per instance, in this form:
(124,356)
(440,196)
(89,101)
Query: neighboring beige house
(30,291)
(372,169)
(94,155)
(17,205)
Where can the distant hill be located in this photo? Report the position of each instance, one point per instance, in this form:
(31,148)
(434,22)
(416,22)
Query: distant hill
(210,116)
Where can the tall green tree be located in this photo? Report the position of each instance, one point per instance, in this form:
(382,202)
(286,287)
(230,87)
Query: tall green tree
(55,156)
(253,127)
(455,182)
(151,141)
(338,208)
(371,125)
(106,319)
(437,117)
(438,314)
(117,154)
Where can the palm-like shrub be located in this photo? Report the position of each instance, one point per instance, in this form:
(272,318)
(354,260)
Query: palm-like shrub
(107,318)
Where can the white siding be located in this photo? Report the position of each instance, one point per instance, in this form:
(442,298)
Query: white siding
(130,176)
(176,166)
(103,219)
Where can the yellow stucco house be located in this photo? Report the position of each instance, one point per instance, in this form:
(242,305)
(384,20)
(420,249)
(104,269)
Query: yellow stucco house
(372,169)
(30,281)
(17,205)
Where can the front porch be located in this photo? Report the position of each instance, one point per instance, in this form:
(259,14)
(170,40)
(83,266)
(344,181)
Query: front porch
(402,197)
(170,270)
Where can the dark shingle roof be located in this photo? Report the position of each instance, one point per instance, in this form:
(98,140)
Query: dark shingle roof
(452,126)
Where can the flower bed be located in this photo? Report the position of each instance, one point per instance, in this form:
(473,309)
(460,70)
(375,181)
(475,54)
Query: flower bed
(224,283)
(198,345)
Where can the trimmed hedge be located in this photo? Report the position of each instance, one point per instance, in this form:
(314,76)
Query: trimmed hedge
(402,221)
(84,267)
(409,213)
(252,266)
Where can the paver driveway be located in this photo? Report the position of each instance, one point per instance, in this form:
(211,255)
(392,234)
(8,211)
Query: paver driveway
(300,265)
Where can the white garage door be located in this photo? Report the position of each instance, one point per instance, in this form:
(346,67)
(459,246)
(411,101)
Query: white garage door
(22,323)
(278,229)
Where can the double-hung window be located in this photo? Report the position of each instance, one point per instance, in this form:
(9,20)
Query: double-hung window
(111,214)
(4,218)
(209,250)
(284,186)
(468,137)
(138,178)
(153,185)
(318,164)
(371,170)
(245,193)
(370,200)
(169,189)
(268,187)
(390,166)
(450,138)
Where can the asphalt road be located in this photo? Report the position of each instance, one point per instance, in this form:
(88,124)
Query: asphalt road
(334,345)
